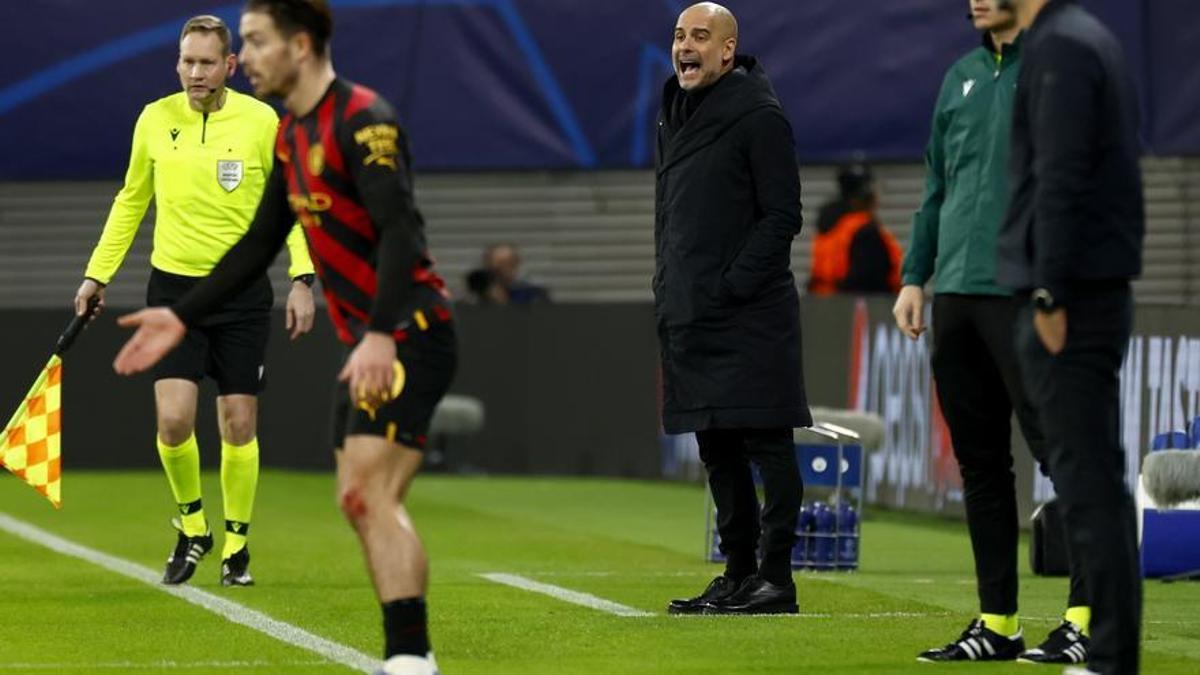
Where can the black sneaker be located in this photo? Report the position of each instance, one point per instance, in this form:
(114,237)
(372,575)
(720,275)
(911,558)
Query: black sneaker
(757,596)
(1065,645)
(235,570)
(977,643)
(718,588)
(188,552)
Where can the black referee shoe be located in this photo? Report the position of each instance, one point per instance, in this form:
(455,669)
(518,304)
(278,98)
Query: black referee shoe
(187,554)
(235,570)
(977,643)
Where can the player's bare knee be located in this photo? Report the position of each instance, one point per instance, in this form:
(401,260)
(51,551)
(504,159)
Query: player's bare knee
(353,503)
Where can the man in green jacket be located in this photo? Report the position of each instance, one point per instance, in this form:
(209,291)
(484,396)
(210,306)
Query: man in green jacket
(974,359)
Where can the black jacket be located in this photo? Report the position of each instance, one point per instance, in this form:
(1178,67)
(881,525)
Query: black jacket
(727,206)
(1076,217)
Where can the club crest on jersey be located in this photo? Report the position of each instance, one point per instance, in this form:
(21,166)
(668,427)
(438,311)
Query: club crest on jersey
(229,173)
(316,159)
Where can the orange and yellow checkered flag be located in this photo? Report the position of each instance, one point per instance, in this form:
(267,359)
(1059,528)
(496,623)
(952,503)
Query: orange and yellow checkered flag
(31,443)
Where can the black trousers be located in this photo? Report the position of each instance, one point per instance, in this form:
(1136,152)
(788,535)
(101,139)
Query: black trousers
(979,386)
(1077,397)
(727,454)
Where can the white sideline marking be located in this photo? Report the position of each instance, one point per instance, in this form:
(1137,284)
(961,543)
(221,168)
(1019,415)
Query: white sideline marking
(159,665)
(231,611)
(564,594)
(593,602)
(875,615)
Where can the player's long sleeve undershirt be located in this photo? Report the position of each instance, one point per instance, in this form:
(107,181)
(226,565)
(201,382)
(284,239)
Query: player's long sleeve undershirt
(381,176)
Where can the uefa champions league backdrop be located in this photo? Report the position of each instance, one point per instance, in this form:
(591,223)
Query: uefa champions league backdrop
(538,84)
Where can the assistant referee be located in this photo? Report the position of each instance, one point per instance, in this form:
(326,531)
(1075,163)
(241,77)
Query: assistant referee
(204,155)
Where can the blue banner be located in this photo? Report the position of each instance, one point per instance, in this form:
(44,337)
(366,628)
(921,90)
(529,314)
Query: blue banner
(543,84)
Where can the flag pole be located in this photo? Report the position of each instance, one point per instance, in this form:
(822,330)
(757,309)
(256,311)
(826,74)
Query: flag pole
(73,329)
(64,342)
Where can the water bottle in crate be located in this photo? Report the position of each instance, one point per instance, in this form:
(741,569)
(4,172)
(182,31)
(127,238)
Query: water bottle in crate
(802,550)
(847,539)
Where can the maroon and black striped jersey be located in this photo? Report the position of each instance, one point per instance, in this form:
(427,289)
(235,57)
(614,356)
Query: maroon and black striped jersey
(343,170)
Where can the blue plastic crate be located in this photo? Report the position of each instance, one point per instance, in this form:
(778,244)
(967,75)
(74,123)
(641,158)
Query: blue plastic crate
(817,464)
(817,469)
(1170,542)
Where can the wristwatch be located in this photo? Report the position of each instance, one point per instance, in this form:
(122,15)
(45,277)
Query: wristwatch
(306,279)
(1043,301)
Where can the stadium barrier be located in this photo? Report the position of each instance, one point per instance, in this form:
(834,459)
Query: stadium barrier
(571,389)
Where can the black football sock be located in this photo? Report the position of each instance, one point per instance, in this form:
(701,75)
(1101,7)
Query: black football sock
(404,627)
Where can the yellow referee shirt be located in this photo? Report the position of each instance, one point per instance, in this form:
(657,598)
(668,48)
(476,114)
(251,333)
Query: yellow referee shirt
(206,173)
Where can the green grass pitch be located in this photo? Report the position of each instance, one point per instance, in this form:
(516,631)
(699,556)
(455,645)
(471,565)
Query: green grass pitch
(634,543)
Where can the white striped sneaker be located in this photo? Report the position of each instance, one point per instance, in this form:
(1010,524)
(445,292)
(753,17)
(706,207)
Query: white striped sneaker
(1065,645)
(187,554)
(977,643)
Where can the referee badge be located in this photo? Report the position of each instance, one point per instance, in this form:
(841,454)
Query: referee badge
(229,173)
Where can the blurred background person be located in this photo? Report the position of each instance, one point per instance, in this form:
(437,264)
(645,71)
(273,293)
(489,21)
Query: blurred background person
(504,263)
(852,251)
(484,289)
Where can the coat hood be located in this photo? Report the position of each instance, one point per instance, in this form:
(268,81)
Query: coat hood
(739,92)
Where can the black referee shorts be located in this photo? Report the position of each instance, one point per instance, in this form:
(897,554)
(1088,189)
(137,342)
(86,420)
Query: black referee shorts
(427,360)
(229,346)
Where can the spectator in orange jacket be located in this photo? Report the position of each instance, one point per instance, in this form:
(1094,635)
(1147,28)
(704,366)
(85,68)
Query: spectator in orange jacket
(853,252)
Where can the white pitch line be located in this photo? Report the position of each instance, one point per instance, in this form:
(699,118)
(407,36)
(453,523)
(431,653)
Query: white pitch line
(874,615)
(229,610)
(161,665)
(564,594)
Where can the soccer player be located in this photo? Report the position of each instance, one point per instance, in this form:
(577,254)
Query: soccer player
(343,168)
(974,359)
(204,155)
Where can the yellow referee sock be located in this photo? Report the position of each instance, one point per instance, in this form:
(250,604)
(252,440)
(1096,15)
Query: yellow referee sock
(1006,625)
(1080,616)
(182,464)
(239,481)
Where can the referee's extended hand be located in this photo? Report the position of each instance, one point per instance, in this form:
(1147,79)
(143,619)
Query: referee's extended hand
(910,311)
(158,331)
(300,309)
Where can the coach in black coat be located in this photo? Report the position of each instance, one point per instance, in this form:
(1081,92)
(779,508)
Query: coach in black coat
(727,206)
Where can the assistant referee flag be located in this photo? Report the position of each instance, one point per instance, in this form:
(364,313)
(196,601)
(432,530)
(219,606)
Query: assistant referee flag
(31,443)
